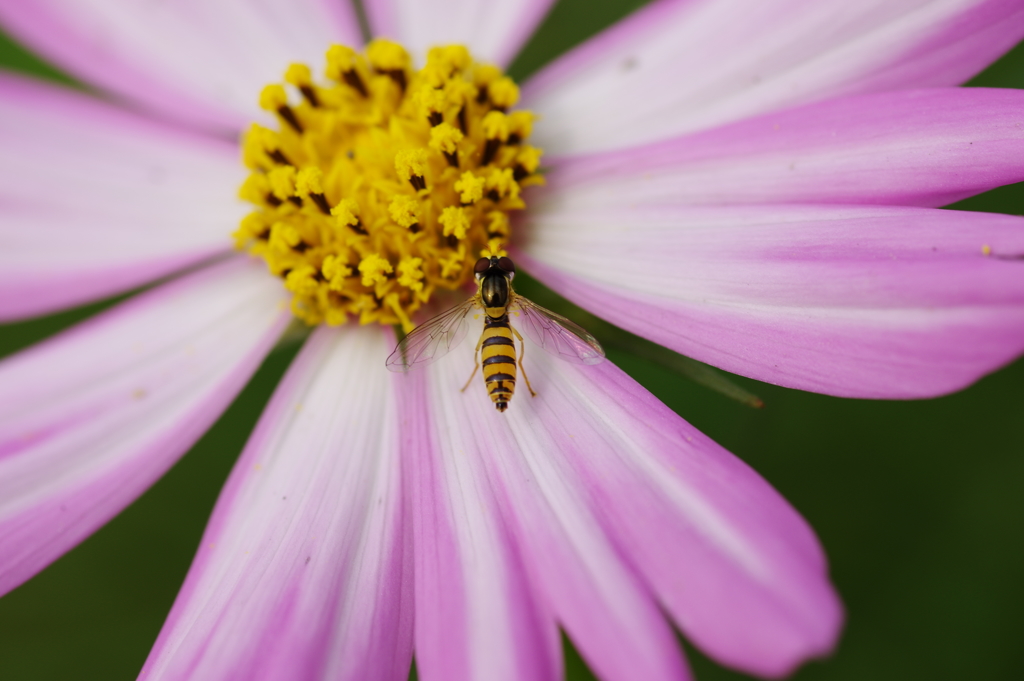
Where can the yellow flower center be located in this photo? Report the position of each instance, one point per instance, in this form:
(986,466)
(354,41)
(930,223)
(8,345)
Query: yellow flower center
(383,184)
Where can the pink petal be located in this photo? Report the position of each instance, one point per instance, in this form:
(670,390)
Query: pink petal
(568,559)
(305,569)
(477,614)
(494,31)
(95,200)
(615,502)
(200,63)
(923,148)
(92,417)
(683,65)
(878,302)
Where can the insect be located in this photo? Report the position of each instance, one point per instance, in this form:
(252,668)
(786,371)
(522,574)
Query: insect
(496,348)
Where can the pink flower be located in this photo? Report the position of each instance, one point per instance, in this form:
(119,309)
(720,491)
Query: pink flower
(752,184)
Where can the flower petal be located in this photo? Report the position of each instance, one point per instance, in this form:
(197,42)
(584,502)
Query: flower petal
(92,417)
(856,301)
(736,567)
(494,31)
(95,200)
(605,608)
(304,571)
(611,495)
(196,62)
(919,148)
(683,65)
(477,615)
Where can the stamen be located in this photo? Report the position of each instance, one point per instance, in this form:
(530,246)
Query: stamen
(503,93)
(410,274)
(445,138)
(455,222)
(307,184)
(384,184)
(482,78)
(470,188)
(374,270)
(341,66)
(353,79)
(411,166)
(391,60)
(496,130)
(273,98)
(405,211)
(299,75)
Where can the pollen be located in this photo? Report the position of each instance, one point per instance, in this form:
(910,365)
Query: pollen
(381,184)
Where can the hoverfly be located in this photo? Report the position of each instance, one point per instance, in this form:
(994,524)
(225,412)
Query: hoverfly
(554,333)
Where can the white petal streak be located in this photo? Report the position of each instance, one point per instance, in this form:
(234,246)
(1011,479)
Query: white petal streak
(477,614)
(617,500)
(95,200)
(198,62)
(608,612)
(91,418)
(683,65)
(303,571)
(494,31)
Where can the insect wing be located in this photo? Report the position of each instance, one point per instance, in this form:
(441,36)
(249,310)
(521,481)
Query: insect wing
(556,334)
(431,340)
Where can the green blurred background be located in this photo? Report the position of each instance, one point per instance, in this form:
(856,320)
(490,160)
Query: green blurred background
(919,504)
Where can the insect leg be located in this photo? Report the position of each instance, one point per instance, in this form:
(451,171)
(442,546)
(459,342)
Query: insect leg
(476,362)
(522,353)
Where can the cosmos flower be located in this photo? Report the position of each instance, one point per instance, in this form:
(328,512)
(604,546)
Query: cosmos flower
(752,184)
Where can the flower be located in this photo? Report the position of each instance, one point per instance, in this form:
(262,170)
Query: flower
(784,185)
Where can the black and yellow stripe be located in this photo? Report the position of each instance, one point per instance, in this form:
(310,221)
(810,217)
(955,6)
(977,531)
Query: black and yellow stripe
(498,355)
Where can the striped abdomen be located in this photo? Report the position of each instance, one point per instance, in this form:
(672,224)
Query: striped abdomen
(498,357)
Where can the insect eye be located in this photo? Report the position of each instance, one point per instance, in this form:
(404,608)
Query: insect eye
(506,265)
(482,265)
